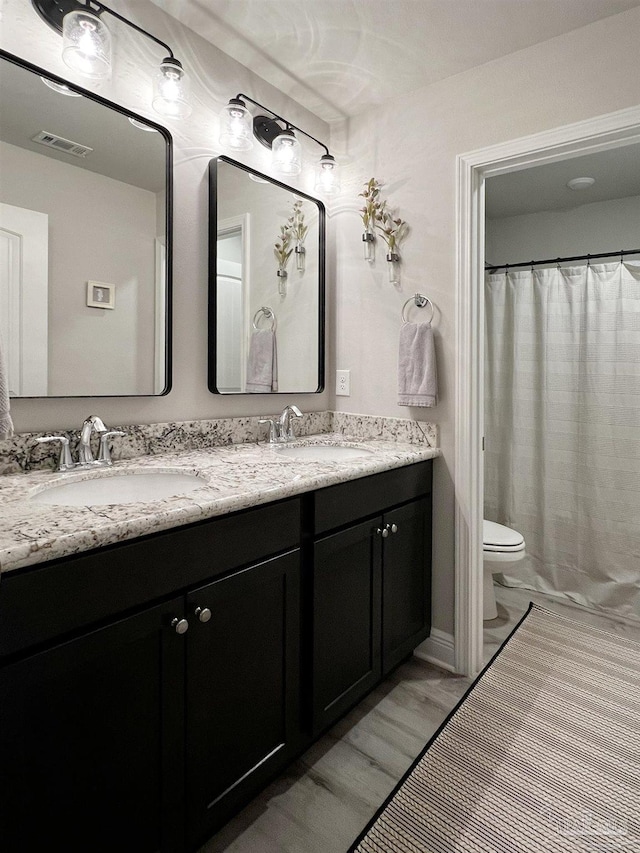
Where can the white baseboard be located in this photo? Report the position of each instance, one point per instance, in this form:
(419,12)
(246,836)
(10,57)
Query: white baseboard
(438,649)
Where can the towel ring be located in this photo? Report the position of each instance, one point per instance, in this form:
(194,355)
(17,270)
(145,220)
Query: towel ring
(419,301)
(268,313)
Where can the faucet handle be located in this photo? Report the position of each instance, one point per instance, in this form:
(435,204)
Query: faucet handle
(105,453)
(273,434)
(65,462)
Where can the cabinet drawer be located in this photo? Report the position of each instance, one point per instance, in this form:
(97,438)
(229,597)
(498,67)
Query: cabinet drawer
(345,503)
(40,604)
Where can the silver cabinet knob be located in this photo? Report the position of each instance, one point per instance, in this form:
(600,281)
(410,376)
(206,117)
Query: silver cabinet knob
(203,613)
(383,532)
(394,528)
(181,625)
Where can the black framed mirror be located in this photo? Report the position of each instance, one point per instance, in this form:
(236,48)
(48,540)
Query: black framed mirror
(85,232)
(266,284)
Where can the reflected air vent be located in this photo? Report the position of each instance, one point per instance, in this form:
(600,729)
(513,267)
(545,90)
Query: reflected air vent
(60,144)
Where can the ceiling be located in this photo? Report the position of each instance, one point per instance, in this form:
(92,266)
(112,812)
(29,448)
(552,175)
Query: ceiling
(27,107)
(542,188)
(341,57)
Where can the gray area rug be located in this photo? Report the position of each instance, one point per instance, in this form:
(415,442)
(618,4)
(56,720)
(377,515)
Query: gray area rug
(541,754)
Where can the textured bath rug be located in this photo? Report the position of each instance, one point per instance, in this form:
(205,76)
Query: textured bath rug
(541,754)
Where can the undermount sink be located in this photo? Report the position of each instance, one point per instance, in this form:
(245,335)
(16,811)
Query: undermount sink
(119,487)
(323,452)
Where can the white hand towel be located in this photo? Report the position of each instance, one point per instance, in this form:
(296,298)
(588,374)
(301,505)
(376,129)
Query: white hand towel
(417,374)
(6,424)
(262,365)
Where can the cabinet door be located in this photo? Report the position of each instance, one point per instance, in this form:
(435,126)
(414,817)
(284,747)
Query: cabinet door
(242,688)
(90,733)
(346,620)
(406,581)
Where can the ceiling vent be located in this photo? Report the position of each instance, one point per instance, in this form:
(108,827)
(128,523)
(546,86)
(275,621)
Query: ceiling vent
(61,144)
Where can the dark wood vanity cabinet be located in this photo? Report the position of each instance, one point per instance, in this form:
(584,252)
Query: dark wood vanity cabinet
(146,732)
(89,753)
(242,688)
(371,585)
(119,729)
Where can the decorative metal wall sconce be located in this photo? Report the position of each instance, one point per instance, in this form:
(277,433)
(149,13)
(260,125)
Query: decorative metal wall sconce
(299,231)
(373,206)
(294,231)
(86,48)
(377,216)
(282,251)
(238,127)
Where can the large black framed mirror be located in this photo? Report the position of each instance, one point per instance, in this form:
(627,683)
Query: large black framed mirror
(266,284)
(85,241)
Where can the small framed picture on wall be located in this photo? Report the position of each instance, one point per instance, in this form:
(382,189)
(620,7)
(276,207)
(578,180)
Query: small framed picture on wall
(101,295)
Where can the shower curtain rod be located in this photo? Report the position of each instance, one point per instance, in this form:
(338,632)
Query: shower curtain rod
(619,254)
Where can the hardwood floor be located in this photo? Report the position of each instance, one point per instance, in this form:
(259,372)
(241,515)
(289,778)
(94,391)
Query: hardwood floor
(325,798)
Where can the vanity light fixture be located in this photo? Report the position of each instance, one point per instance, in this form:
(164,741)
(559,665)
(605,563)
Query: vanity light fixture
(237,126)
(86,48)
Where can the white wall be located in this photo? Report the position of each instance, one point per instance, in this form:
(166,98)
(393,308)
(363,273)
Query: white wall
(78,334)
(604,226)
(410,144)
(215,78)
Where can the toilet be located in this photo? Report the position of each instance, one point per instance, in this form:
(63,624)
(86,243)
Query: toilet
(500,546)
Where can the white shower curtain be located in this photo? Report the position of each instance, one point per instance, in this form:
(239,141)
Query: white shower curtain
(562,428)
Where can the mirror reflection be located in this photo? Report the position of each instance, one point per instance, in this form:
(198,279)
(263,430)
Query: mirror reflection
(84,272)
(266,284)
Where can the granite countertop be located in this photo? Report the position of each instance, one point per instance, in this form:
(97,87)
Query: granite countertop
(235,477)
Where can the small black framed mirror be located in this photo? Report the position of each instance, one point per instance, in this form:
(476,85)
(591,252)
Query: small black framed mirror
(266,284)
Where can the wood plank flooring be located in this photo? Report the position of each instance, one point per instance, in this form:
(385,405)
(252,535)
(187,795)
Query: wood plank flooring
(325,798)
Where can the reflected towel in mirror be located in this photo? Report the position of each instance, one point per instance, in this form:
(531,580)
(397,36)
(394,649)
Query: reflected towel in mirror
(6,424)
(262,365)
(417,373)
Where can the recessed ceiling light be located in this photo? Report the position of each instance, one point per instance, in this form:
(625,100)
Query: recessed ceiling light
(581,183)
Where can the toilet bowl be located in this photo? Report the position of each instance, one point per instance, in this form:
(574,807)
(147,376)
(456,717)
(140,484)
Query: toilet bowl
(500,545)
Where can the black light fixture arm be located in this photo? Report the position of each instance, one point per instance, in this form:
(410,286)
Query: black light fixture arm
(287,123)
(53,11)
(102,8)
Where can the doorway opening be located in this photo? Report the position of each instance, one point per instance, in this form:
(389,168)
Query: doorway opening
(473,169)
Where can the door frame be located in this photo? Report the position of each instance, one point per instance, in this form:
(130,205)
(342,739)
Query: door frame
(28,300)
(472,169)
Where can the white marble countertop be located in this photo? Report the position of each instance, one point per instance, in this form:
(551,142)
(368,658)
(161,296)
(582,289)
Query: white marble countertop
(235,477)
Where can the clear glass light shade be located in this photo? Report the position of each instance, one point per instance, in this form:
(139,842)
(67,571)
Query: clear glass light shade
(286,154)
(236,126)
(86,44)
(171,90)
(327,175)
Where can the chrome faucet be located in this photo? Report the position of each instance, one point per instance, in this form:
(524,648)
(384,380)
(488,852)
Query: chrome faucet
(281,429)
(85,454)
(284,422)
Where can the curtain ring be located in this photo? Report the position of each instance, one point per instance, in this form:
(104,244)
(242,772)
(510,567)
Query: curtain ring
(621,256)
(588,260)
(506,270)
(558,263)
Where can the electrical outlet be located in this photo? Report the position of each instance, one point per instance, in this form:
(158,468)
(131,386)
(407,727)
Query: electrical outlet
(343,383)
